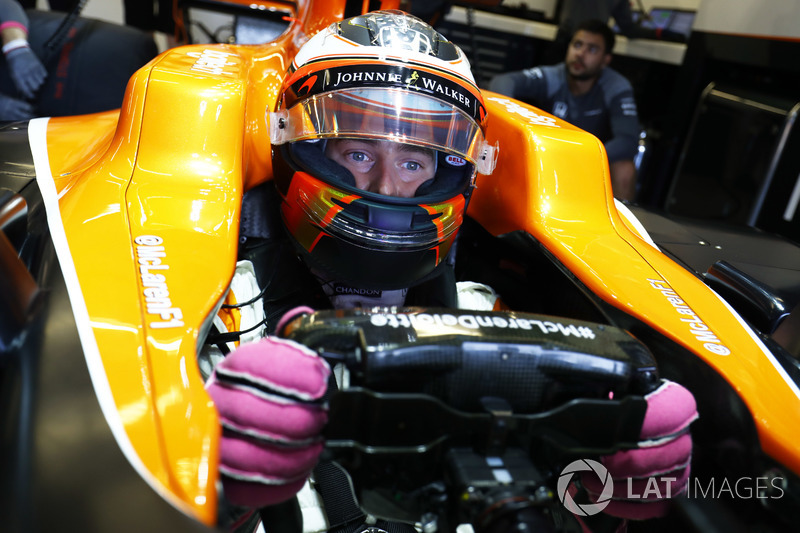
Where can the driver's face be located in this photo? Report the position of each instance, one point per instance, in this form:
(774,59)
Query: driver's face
(384,167)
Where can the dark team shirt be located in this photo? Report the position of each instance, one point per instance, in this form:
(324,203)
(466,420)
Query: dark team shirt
(608,110)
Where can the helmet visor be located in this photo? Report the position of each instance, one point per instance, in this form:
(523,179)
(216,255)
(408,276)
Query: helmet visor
(397,115)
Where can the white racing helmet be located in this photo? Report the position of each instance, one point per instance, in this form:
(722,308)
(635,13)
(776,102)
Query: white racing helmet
(383,76)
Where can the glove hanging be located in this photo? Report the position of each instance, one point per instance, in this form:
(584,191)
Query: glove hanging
(27,71)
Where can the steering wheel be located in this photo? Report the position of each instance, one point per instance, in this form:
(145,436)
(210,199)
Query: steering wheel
(446,416)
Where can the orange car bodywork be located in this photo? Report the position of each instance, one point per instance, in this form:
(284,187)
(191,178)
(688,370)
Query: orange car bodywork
(149,198)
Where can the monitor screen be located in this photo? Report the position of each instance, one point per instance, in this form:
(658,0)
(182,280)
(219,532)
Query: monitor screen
(677,20)
(682,22)
(658,18)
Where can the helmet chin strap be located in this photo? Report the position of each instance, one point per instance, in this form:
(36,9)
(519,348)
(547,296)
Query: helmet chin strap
(344,295)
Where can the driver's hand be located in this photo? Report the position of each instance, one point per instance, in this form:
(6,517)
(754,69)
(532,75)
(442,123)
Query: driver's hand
(647,477)
(268,395)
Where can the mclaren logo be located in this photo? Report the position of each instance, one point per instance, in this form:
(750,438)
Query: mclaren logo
(466,321)
(211,61)
(152,257)
(697,327)
(532,117)
(308,85)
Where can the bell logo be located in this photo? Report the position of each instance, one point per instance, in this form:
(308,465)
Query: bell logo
(455,160)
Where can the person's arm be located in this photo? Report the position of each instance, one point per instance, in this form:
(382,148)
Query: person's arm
(27,71)
(621,11)
(527,85)
(13,21)
(620,104)
(625,127)
(624,142)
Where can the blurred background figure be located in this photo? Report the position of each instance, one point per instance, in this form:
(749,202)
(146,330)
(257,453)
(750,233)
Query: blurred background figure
(21,64)
(587,93)
(59,64)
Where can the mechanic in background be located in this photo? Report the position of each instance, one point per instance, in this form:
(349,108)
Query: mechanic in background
(58,64)
(346,222)
(23,66)
(587,93)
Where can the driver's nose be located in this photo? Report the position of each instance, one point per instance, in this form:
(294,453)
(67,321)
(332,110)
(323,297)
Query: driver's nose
(385,180)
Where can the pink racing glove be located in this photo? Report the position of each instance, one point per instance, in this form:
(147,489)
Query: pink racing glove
(268,397)
(647,477)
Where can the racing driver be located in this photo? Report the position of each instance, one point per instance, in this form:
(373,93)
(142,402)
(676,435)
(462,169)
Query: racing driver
(377,139)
